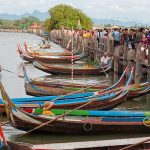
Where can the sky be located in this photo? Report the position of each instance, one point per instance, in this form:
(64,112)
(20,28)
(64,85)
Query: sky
(130,10)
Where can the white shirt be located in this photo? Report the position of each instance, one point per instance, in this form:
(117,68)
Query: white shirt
(105,60)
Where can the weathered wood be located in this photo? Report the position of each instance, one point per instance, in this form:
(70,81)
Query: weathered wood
(99,44)
(116,63)
(130,59)
(148,69)
(138,67)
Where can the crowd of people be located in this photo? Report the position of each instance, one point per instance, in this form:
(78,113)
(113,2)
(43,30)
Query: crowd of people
(130,38)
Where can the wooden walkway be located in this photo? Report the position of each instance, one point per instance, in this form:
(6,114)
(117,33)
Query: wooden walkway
(116,144)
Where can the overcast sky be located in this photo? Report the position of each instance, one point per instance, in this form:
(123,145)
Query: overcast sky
(116,9)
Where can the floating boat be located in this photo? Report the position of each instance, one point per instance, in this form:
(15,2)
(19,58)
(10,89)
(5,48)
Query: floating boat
(98,100)
(47,58)
(23,55)
(35,88)
(77,121)
(58,59)
(31,51)
(77,69)
(108,100)
(38,88)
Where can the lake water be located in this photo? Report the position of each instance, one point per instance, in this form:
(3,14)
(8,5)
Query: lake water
(14,85)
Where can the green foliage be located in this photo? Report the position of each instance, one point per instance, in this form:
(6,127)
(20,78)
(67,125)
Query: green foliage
(23,23)
(47,25)
(66,16)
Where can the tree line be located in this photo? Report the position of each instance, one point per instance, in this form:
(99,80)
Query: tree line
(23,23)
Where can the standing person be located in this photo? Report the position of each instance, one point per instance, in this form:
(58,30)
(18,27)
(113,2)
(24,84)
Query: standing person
(117,37)
(110,34)
(138,36)
(144,47)
(132,38)
(98,36)
(126,37)
(148,37)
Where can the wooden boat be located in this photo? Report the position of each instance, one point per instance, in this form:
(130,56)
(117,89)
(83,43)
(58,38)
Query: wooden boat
(78,121)
(77,69)
(36,88)
(31,51)
(103,102)
(58,59)
(98,100)
(140,90)
(23,55)
(48,59)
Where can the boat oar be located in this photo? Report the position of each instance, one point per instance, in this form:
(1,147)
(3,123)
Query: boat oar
(133,145)
(60,116)
(104,71)
(20,76)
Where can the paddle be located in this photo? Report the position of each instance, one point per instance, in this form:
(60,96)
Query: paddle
(104,71)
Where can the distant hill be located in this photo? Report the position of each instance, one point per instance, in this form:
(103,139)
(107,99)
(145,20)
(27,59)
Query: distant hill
(40,15)
(117,22)
(43,15)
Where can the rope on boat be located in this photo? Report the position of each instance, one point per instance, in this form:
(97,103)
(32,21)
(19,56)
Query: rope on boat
(60,116)
(20,76)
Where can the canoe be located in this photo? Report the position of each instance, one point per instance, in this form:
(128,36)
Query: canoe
(58,59)
(47,58)
(31,51)
(103,102)
(36,88)
(98,100)
(78,121)
(23,55)
(77,69)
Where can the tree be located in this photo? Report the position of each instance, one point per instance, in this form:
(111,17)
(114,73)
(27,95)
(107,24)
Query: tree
(47,25)
(66,16)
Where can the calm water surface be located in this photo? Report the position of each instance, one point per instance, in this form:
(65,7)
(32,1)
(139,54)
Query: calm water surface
(10,60)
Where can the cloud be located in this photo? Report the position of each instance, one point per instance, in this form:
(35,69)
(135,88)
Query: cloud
(116,7)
